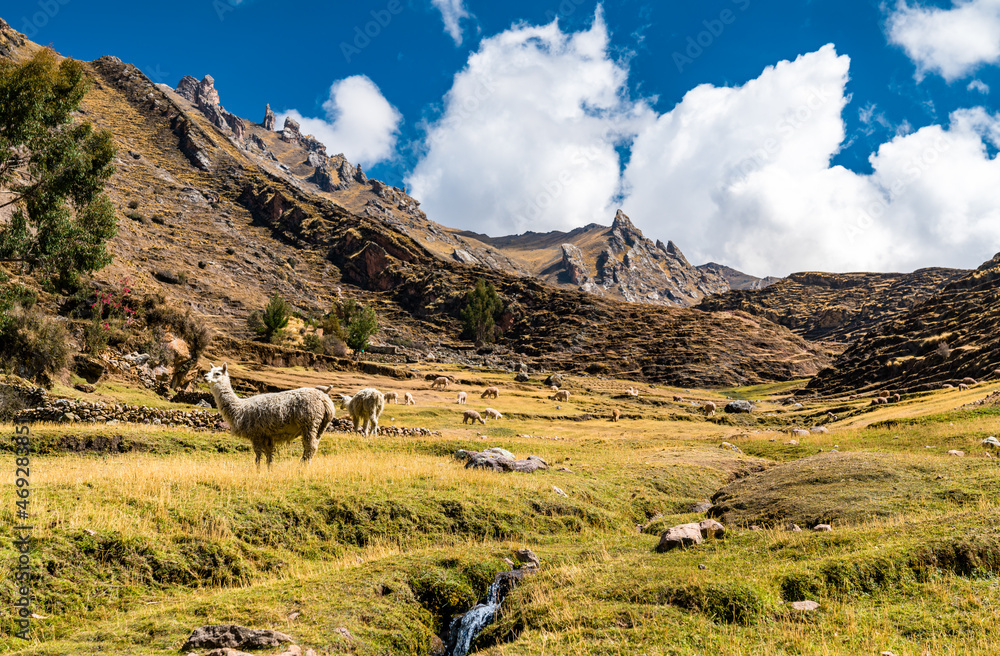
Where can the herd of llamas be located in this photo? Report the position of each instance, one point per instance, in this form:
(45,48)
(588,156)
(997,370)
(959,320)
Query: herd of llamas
(272,419)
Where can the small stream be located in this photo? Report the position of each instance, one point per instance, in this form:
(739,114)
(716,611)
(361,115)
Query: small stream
(465,627)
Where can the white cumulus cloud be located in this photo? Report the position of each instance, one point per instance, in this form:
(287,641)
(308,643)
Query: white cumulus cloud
(528,134)
(531,132)
(950,42)
(743,176)
(452,12)
(978,85)
(359,122)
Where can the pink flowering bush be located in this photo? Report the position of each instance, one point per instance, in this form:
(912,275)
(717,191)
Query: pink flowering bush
(112,314)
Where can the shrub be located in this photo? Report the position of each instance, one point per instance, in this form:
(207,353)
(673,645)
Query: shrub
(333,345)
(272,321)
(313,342)
(133,204)
(37,347)
(360,327)
(483,308)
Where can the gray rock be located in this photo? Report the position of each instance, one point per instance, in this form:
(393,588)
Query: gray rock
(702,507)
(710,528)
(678,537)
(730,447)
(804,605)
(268,118)
(554,379)
(522,377)
(234,636)
(793,528)
(738,407)
(527,557)
(991,443)
(822,528)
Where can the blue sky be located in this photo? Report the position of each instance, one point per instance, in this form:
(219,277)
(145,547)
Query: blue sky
(504,117)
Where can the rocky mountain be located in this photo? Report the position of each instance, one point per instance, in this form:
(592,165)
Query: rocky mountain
(737,279)
(617,262)
(219,212)
(838,307)
(950,336)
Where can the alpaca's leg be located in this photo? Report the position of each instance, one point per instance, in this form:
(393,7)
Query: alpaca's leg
(270,456)
(258,452)
(310,442)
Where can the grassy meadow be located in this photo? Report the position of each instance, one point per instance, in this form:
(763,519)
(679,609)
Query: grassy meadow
(388,537)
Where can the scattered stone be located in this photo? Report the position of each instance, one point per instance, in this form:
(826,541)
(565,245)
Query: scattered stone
(527,557)
(554,379)
(679,537)
(710,528)
(730,447)
(702,506)
(793,528)
(510,563)
(343,633)
(754,527)
(956,452)
(226,651)
(991,442)
(739,407)
(234,636)
(294,615)
(822,527)
(559,491)
(701,566)
(819,429)
(792,443)
(801,432)
(85,388)
(887,653)
(804,605)
(522,377)
(293,650)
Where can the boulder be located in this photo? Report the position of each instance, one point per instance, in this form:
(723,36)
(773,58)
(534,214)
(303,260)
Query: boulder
(90,369)
(234,636)
(822,528)
(678,537)
(527,557)
(702,506)
(955,452)
(801,432)
(804,605)
(554,379)
(739,406)
(711,529)
(522,377)
(730,447)
(991,443)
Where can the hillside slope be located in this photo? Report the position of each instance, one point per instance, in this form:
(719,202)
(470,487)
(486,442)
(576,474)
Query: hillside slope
(948,337)
(839,307)
(216,224)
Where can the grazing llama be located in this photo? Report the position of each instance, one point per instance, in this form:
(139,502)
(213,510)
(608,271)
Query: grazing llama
(441,381)
(709,409)
(269,420)
(365,407)
(408,399)
(471,417)
(493,414)
(490,393)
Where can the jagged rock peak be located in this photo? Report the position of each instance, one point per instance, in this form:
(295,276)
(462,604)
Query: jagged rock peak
(201,93)
(268,118)
(623,223)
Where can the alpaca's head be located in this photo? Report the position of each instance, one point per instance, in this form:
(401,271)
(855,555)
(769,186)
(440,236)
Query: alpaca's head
(343,399)
(217,375)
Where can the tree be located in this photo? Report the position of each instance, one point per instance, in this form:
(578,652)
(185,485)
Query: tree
(52,171)
(273,320)
(362,323)
(483,309)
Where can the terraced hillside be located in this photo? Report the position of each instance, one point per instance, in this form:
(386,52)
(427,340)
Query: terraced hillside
(950,336)
(214,222)
(838,307)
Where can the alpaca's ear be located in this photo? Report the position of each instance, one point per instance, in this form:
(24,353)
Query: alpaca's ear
(211,366)
(225,367)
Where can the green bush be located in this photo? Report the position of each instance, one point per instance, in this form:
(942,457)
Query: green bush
(37,348)
(270,323)
(483,309)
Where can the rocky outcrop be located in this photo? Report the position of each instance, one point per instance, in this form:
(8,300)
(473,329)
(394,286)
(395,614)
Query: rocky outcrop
(268,122)
(290,131)
(573,263)
(234,636)
(837,307)
(950,336)
(205,97)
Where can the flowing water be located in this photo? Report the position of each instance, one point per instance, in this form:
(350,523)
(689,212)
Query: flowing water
(466,627)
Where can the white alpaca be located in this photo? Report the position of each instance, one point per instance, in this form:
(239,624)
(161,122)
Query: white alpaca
(471,417)
(392,396)
(365,407)
(441,381)
(490,393)
(462,398)
(561,395)
(493,414)
(408,399)
(269,420)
